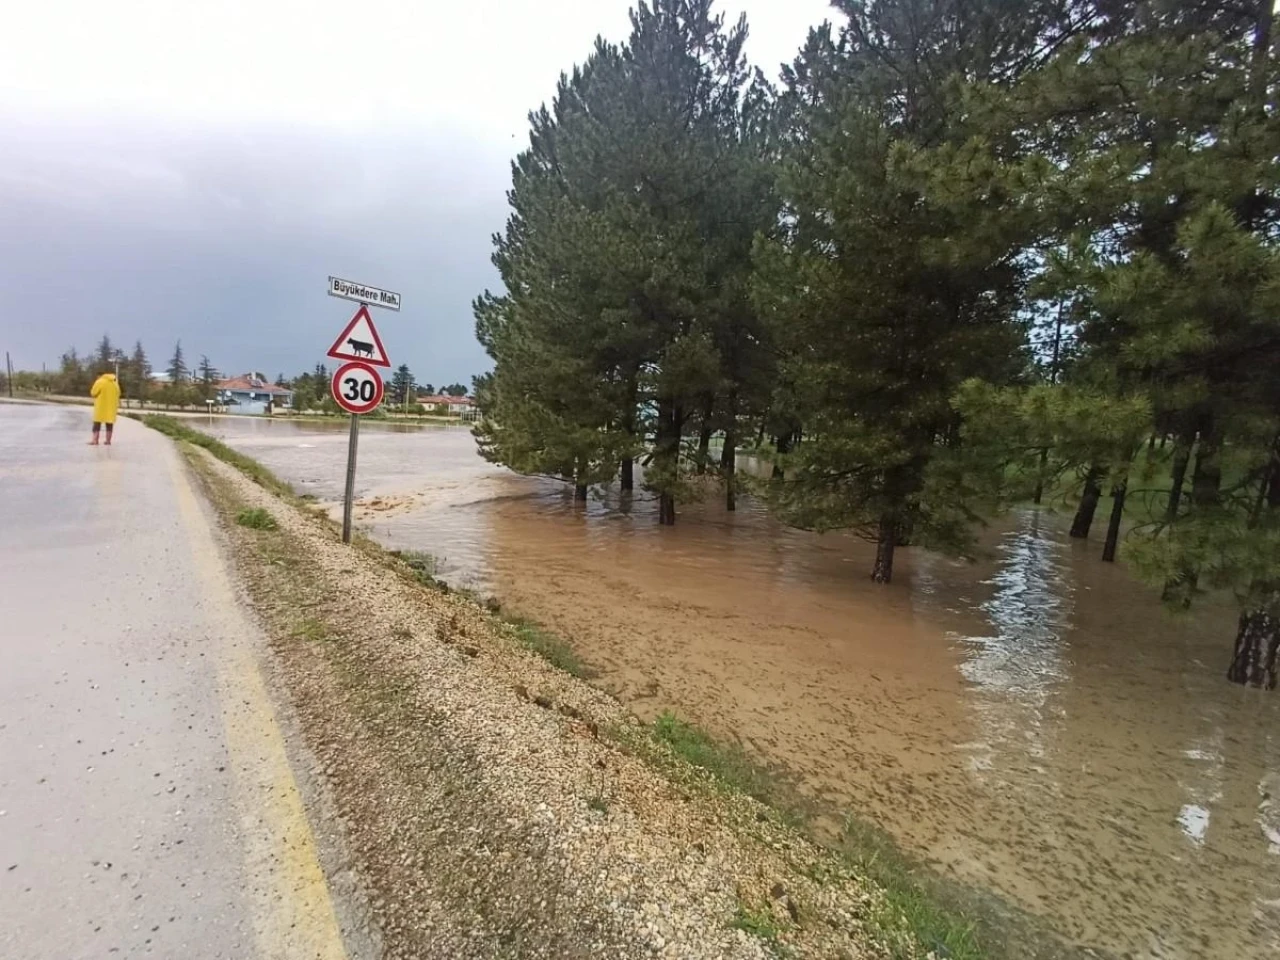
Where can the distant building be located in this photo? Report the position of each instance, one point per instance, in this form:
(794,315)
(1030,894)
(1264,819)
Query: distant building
(464,407)
(251,394)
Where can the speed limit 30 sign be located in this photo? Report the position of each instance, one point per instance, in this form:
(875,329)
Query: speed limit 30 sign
(357,387)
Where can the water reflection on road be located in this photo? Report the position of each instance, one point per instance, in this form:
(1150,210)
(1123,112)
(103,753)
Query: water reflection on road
(1033,722)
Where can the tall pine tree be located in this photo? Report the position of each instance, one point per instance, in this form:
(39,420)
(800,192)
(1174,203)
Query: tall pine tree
(1171,176)
(177,370)
(606,340)
(900,273)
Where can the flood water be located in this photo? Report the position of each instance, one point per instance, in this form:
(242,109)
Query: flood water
(1033,723)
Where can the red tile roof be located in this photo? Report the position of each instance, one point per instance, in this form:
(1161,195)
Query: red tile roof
(247,384)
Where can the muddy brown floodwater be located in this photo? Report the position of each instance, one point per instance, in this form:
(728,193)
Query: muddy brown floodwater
(1032,724)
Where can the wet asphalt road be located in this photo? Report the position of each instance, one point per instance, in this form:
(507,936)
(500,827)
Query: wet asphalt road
(146,804)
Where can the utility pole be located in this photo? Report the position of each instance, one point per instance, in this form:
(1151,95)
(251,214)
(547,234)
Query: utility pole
(8,373)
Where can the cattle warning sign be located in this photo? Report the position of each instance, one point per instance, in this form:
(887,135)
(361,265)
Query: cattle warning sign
(360,341)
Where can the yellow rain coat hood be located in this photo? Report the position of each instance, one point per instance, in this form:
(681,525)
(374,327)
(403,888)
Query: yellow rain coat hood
(106,398)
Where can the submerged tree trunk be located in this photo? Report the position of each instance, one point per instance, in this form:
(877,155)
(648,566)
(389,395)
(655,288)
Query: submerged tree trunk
(1206,485)
(729,453)
(783,446)
(729,470)
(666,457)
(667,510)
(704,436)
(1038,495)
(1257,641)
(626,473)
(580,483)
(1117,514)
(1053,378)
(1258,634)
(1088,504)
(704,449)
(882,572)
(1178,476)
(1206,479)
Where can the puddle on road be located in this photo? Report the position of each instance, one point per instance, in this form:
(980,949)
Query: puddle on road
(1033,723)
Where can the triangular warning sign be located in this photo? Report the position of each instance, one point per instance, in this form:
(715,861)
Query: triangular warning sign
(360,341)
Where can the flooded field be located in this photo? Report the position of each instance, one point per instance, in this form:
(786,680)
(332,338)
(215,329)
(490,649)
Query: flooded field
(1033,724)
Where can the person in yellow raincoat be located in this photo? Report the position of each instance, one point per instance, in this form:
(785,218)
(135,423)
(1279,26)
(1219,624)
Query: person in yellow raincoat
(106,401)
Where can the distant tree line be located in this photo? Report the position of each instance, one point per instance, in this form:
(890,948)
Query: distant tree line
(312,390)
(967,253)
(183,385)
(77,371)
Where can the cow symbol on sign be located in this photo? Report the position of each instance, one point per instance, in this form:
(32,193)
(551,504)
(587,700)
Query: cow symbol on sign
(359,340)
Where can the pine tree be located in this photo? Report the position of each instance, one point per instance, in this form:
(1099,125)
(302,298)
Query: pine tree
(1197,298)
(900,272)
(606,339)
(73,376)
(550,405)
(208,378)
(104,357)
(139,375)
(1165,183)
(401,385)
(177,370)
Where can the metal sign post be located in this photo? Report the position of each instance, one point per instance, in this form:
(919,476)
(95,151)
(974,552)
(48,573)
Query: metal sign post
(356,386)
(358,389)
(349,496)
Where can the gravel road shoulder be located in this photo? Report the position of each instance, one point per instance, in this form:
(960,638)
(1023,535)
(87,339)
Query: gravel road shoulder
(497,807)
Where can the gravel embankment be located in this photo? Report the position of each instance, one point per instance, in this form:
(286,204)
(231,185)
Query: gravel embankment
(497,807)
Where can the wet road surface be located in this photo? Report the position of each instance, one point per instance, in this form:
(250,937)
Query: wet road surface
(147,807)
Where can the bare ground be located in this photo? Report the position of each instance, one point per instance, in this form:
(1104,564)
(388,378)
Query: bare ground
(498,807)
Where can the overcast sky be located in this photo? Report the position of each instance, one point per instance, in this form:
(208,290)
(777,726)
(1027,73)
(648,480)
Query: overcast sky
(172,169)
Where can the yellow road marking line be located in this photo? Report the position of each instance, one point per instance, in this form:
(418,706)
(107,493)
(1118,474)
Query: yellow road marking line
(294,915)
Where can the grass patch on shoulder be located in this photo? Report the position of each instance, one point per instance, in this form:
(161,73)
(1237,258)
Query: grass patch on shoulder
(555,650)
(533,636)
(425,565)
(758,923)
(912,904)
(909,898)
(727,763)
(177,430)
(255,518)
(313,629)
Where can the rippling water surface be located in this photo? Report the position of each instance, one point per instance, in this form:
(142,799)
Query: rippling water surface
(1033,723)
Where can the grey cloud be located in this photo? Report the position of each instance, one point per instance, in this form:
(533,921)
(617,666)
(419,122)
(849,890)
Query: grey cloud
(224,238)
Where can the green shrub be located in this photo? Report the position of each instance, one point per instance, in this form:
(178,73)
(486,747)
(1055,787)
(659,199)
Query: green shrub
(256,519)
